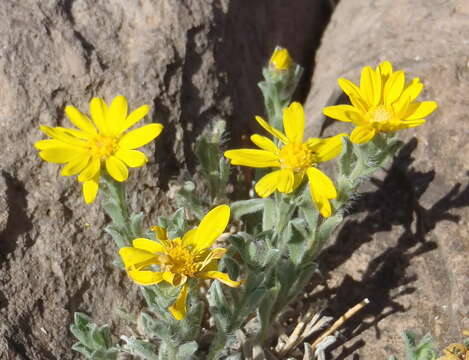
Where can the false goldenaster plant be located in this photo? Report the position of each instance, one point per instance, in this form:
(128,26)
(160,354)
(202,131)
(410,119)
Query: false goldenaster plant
(101,142)
(295,159)
(180,259)
(383,102)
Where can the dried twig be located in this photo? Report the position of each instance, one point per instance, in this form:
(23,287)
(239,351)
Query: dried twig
(352,311)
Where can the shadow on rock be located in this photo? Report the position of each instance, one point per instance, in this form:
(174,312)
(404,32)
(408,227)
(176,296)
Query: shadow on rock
(395,202)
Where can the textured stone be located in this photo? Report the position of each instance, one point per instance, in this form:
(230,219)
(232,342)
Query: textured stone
(405,246)
(191,61)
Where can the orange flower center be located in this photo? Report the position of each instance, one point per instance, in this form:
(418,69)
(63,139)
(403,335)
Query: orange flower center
(180,260)
(296,156)
(380,115)
(102,146)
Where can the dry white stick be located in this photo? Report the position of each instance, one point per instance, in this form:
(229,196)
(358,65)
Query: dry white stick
(352,311)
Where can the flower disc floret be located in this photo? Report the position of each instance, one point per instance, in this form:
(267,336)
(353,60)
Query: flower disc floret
(100,142)
(382,102)
(295,159)
(178,260)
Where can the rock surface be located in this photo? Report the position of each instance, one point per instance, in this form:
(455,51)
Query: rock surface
(191,61)
(406,244)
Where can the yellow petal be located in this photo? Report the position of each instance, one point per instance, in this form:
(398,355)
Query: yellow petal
(218,275)
(148,245)
(385,68)
(420,110)
(410,124)
(189,238)
(285,181)
(131,158)
(362,134)
(270,129)
(329,148)
(140,136)
(366,84)
(267,184)
(98,111)
(340,112)
(211,227)
(394,87)
(264,143)
(76,165)
(178,309)
(79,120)
(413,89)
(168,276)
(50,143)
(135,116)
(400,107)
(117,169)
(58,155)
(321,183)
(160,233)
(59,134)
(135,258)
(145,277)
(349,88)
(322,189)
(117,114)
(362,108)
(90,189)
(253,158)
(90,170)
(294,122)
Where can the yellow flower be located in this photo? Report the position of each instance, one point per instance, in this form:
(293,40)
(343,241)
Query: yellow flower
(180,259)
(295,158)
(281,59)
(455,352)
(98,143)
(382,103)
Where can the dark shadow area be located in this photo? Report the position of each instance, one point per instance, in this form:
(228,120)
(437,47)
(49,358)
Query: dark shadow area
(250,34)
(18,222)
(395,202)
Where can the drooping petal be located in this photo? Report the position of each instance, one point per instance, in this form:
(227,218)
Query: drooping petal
(148,245)
(178,309)
(117,114)
(267,184)
(134,117)
(394,87)
(117,169)
(420,110)
(76,165)
(131,158)
(135,258)
(329,148)
(270,129)
(90,170)
(98,111)
(323,185)
(253,158)
(90,189)
(362,134)
(218,275)
(211,227)
(145,277)
(141,136)
(264,143)
(341,112)
(349,88)
(294,122)
(285,181)
(322,189)
(79,120)
(58,155)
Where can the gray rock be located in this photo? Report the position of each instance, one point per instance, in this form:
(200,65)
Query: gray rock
(407,242)
(191,61)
